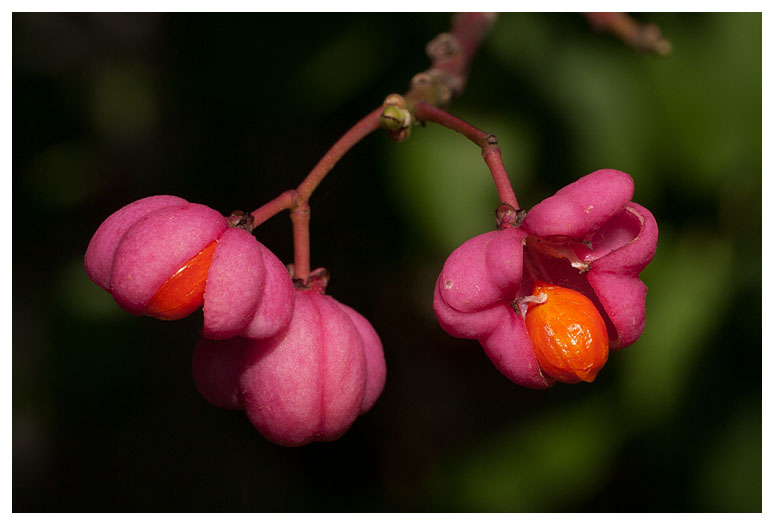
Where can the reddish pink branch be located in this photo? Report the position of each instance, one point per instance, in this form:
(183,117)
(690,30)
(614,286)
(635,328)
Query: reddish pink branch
(492,156)
(362,128)
(489,144)
(469,30)
(428,113)
(298,200)
(643,37)
(284,201)
(300,215)
(451,54)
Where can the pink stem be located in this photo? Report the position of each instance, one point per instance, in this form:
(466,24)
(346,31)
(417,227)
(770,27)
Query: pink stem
(643,37)
(284,201)
(489,144)
(492,156)
(298,200)
(362,128)
(469,30)
(300,220)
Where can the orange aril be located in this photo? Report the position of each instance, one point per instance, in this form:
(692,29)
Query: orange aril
(569,336)
(183,292)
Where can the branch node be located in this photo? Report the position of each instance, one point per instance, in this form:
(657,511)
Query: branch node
(240,219)
(400,135)
(443,47)
(421,80)
(506,216)
(395,118)
(645,37)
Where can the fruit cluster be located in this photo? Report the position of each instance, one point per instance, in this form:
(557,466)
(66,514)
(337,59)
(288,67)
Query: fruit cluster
(301,364)
(546,295)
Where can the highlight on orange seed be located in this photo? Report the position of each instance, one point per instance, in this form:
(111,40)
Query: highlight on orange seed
(183,292)
(568,333)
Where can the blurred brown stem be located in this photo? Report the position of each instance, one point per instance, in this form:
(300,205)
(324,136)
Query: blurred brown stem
(643,37)
(451,54)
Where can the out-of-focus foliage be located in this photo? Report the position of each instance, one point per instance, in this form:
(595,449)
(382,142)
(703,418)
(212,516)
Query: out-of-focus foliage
(230,110)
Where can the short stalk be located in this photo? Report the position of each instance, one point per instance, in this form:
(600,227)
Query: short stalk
(300,215)
(284,201)
(489,144)
(298,200)
(362,128)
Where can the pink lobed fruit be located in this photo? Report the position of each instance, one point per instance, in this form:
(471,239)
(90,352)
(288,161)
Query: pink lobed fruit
(216,367)
(307,383)
(165,257)
(588,237)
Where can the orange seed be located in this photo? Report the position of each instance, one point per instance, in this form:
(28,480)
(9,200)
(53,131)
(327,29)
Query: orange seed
(183,292)
(569,336)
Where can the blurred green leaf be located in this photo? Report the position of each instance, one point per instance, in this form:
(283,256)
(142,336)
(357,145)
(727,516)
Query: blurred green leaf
(544,463)
(688,291)
(730,480)
(709,115)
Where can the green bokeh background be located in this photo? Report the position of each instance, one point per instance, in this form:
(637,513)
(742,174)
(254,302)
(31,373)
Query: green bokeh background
(230,110)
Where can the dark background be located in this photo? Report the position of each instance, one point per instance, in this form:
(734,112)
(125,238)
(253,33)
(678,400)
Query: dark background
(230,110)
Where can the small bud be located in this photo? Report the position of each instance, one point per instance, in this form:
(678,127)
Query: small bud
(445,94)
(444,46)
(421,80)
(394,99)
(394,118)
